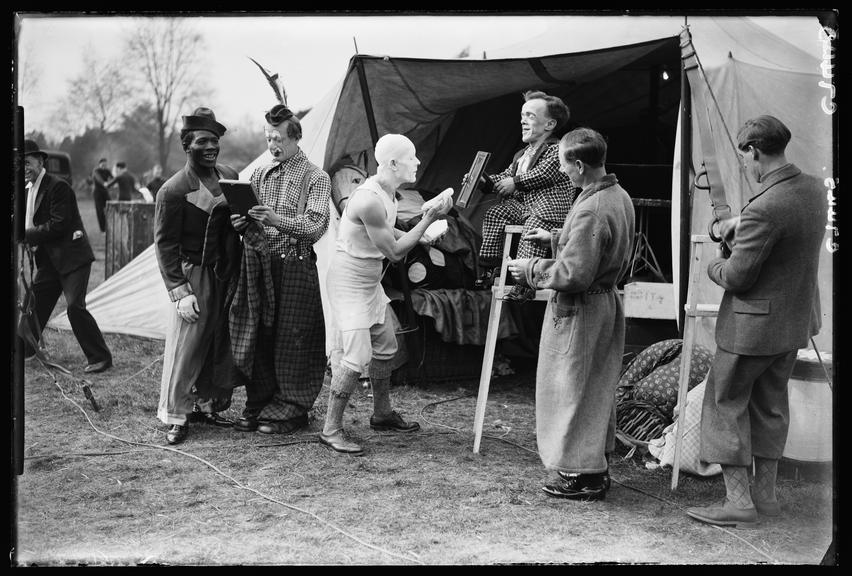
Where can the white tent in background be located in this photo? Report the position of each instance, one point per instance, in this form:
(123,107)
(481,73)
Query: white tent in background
(750,70)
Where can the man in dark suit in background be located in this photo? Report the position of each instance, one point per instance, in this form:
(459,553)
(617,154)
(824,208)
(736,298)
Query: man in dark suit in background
(768,311)
(100,176)
(126,183)
(63,256)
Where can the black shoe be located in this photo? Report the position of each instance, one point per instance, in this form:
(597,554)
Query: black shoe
(177,433)
(486,279)
(282,426)
(578,487)
(98,366)
(246,424)
(393,423)
(607,481)
(520,293)
(211,418)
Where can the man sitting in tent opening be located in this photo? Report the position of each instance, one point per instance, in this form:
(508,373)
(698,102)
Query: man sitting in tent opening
(767,313)
(364,334)
(197,251)
(532,190)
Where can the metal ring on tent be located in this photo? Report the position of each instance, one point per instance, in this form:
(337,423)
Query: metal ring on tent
(699,175)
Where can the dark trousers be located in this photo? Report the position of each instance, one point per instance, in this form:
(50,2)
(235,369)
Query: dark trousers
(745,412)
(48,284)
(101,197)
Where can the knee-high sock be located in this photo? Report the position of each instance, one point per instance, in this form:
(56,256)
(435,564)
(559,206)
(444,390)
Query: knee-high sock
(380,372)
(343,383)
(736,485)
(765,473)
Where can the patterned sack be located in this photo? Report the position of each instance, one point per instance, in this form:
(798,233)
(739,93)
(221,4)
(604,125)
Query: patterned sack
(651,378)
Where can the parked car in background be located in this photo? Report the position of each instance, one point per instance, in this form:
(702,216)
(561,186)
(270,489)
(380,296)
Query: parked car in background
(59,164)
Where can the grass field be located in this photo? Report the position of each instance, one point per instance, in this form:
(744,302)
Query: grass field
(102,488)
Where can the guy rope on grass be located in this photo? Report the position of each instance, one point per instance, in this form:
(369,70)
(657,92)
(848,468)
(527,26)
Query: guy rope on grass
(660,498)
(232,479)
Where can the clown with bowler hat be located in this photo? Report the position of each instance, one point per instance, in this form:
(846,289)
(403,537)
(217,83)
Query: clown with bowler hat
(197,251)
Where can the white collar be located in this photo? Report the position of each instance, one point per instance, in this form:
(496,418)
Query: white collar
(34,185)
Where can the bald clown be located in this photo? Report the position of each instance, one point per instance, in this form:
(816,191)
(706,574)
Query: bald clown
(365,338)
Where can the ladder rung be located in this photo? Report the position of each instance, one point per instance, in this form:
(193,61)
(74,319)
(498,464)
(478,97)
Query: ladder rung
(543,294)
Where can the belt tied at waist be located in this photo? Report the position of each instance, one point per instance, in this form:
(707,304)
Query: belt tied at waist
(599,290)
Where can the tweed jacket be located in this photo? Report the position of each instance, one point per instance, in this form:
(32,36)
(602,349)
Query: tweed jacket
(193,227)
(58,235)
(770,278)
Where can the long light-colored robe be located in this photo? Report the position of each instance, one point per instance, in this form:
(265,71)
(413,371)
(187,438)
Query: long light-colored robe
(582,338)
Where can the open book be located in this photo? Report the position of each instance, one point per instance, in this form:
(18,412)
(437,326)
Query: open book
(240,195)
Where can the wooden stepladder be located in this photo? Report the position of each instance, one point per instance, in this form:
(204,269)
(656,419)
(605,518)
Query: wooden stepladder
(498,292)
(693,310)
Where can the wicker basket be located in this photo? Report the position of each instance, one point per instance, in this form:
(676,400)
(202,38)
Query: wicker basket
(640,422)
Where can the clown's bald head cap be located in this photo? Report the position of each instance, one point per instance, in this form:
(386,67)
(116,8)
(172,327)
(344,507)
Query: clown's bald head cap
(392,147)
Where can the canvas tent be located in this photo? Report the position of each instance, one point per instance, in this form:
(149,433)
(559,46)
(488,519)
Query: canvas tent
(628,87)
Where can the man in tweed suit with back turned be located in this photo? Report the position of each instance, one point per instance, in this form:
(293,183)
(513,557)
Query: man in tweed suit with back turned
(532,190)
(769,311)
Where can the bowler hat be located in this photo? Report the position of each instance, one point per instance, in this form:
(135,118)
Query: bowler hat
(31,148)
(203,119)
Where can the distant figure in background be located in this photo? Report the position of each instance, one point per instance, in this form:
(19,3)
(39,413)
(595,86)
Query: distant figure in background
(532,191)
(768,311)
(276,319)
(198,251)
(156,181)
(100,176)
(365,335)
(582,336)
(63,256)
(126,183)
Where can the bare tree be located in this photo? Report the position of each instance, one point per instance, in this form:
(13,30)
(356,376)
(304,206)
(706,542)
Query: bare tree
(100,95)
(29,71)
(166,54)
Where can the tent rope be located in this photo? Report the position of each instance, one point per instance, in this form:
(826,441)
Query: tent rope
(718,109)
(232,479)
(660,498)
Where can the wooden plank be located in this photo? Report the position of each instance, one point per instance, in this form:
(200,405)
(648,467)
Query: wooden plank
(487,365)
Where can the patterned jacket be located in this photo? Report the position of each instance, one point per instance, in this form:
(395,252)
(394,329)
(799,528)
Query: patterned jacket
(543,189)
(193,227)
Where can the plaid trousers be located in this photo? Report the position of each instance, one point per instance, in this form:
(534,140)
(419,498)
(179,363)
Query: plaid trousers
(511,211)
(289,359)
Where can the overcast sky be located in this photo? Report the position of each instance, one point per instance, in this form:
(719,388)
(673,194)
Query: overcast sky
(309,52)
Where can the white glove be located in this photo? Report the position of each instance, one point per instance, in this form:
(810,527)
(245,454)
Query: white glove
(187,308)
(445,198)
(434,232)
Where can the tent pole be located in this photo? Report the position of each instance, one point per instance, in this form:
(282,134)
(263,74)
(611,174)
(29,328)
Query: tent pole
(410,318)
(685,193)
(368,103)
(17,239)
